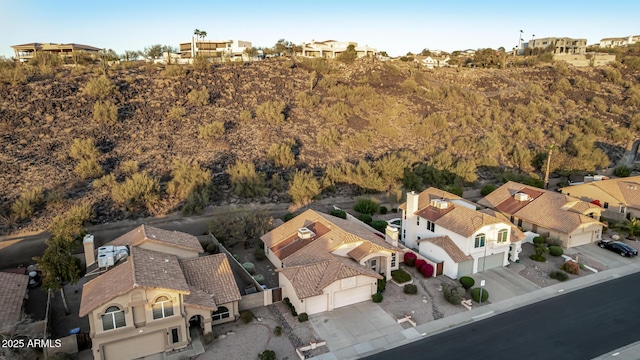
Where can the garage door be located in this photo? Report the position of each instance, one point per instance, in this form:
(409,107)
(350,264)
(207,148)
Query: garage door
(137,347)
(580,239)
(465,268)
(492,261)
(351,296)
(316,304)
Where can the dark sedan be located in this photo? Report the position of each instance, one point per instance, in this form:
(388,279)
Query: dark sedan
(619,247)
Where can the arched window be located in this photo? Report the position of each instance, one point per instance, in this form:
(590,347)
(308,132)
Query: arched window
(479,240)
(162,308)
(222,313)
(502,235)
(113,318)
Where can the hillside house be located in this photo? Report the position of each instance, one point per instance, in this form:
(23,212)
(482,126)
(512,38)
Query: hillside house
(619,41)
(619,198)
(26,52)
(228,49)
(330,49)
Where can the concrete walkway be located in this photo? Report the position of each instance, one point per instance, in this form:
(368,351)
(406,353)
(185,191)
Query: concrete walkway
(373,343)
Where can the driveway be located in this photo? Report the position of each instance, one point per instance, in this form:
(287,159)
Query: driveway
(608,258)
(504,283)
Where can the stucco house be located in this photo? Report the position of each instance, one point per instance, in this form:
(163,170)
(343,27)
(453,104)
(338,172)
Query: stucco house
(230,49)
(554,215)
(434,62)
(619,198)
(26,52)
(154,292)
(330,49)
(448,230)
(325,262)
(619,41)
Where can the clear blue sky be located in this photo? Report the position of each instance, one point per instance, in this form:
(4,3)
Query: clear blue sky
(395,26)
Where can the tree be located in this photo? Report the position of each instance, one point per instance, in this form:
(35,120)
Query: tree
(632,227)
(349,55)
(59,266)
(282,47)
(425,52)
(250,52)
(153,52)
(130,55)
(169,50)
(383,53)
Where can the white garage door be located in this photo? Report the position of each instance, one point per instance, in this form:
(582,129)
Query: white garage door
(316,304)
(580,239)
(136,347)
(351,296)
(492,261)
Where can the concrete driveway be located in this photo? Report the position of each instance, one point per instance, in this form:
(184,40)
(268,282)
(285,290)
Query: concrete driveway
(606,257)
(349,330)
(504,283)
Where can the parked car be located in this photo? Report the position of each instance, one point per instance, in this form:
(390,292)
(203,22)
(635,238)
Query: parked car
(619,247)
(396,223)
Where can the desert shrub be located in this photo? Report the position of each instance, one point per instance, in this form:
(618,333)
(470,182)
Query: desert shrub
(302,317)
(273,112)
(622,171)
(410,259)
(367,206)
(379,225)
(175,71)
(453,293)
(303,188)
(55,196)
(249,267)
(337,113)
(281,154)
(339,213)
(410,289)
(89,169)
(536,257)
(400,276)
(475,294)
(199,97)
(612,74)
(267,355)
(561,84)
(246,181)
(211,131)
(100,87)
(129,167)
(139,190)
(277,183)
(427,270)
(599,104)
(383,210)
(83,149)
(559,275)
(213,248)
(467,282)
(365,218)
(377,297)
(105,112)
(555,250)
(538,240)
(177,112)
(331,137)
(208,338)
(259,254)
(382,285)
(197,200)
(245,115)
(246,316)
(277,331)
(571,267)
(419,264)
(186,178)
(487,189)
(201,63)
(307,101)
(259,278)
(27,203)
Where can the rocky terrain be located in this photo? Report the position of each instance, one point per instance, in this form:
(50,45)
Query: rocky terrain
(458,120)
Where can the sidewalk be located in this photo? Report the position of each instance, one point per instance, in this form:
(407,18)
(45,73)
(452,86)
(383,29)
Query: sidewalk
(379,344)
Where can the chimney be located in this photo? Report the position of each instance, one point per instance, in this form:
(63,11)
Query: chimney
(89,250)
(391,235)
(412,203)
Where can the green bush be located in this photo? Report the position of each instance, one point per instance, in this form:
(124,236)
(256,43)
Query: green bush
(555,250)
(277,331)
(139,190)
(382,285)
(367,206)
(383,210)
(267,355)
(281,154)
(467,282)
(453,293)
(199,97)
(339,213)
(129,167)
(487,189)
(272,111)
(303,317)
(105,112)
(538,240)
(197,200)
(177,112)
(379,225)
(83,149)
(377,297)
(211,131)
(475,294)
(89,169)
(365,218)
(288,216)
(249,267)
(303,188)
(622,171)
(213,248)
(246,181)
(410,289)
(400,276)
(571,267)
(246,316)
(100,87)
(536,257)
(259,278)
(559,275)
(259,254)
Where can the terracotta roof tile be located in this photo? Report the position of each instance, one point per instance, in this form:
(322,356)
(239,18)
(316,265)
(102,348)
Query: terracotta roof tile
(213,275)
(200,299)
(449,247)
(516,234)
(144,233)
(364,249)
(13,288)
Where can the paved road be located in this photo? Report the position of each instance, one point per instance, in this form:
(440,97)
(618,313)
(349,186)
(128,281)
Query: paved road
(582,324)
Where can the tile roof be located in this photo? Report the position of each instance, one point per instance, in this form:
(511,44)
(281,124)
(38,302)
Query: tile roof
(625,190)
(549,210)
(516,234)
(449,247)
(361,251)
(213,275)
(144,233)
(430,193)
(200,299)
(143,268)
(13,288)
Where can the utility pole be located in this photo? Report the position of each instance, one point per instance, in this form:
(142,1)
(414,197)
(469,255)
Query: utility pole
(546,174)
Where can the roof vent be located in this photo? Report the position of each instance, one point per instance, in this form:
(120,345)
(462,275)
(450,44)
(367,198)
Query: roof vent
(304,233)
(520,196)
(439,204)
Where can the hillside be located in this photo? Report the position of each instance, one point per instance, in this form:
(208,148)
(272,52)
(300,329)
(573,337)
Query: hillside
(460,122)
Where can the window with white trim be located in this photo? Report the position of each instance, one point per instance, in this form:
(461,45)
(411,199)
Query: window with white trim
(431,226)
(393,260)
(502,235)
(479,240)
(623,209)
(162,308)
(113,318)
(221,313)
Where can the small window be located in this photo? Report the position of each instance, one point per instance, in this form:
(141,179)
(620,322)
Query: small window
(520,222)
(162,308)
(113,318)
(606,205)
(175,336)
(623,209)
(222,313)
(431,226)
(479,240)
(393,260)
(502,235)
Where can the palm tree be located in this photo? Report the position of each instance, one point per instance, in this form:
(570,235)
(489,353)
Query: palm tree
(631,226)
